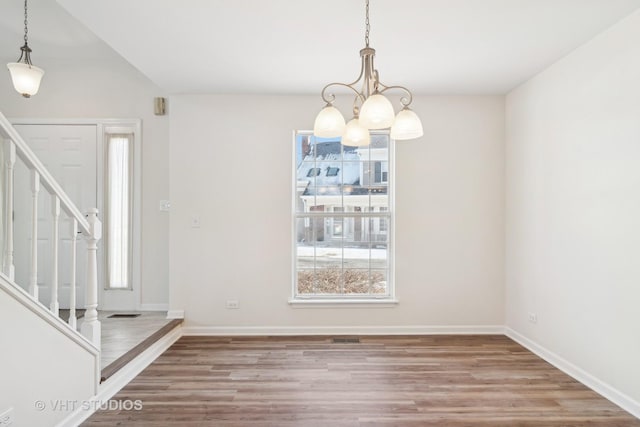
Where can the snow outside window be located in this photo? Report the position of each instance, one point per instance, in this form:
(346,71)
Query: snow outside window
(119,212)
(342,219)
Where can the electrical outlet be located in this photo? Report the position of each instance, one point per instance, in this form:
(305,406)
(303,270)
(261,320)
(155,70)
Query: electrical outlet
(195,221)
(165,205)
(6,418)
(533,318)
(233,304)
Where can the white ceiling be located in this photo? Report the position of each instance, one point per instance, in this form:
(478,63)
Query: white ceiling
(297,46)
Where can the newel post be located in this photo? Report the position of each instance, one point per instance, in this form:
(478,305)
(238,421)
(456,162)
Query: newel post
(91,325)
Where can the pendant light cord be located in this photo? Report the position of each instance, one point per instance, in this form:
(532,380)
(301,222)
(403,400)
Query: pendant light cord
(26,30)
(366,23)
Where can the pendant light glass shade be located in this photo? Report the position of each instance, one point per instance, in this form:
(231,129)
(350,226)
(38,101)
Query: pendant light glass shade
(329,123)
(406,126)
(26,78)
(377,112)
(355,135)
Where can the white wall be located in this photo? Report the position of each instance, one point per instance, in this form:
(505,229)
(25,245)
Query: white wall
(573,208)
(231,166)
(52,369)
(111,88)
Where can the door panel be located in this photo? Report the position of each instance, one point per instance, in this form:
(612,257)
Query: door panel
(69,152)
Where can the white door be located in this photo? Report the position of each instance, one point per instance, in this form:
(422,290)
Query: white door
(69,152)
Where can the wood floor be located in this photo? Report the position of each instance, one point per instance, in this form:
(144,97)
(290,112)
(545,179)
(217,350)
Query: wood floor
(444,381)
(121,335)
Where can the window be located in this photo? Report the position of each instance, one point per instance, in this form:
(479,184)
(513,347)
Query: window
(313,172)
(342,220)
(119,148)
(381,172)
(332,171)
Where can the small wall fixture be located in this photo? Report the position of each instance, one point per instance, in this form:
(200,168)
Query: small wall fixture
(25,76)
(371,109)
(159,106)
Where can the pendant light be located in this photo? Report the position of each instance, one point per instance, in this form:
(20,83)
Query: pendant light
(371,108)
(25,76)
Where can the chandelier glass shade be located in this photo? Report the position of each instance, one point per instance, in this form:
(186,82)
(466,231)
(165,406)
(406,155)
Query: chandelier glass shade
(406,126)
(371,108)
(377,112)
(355,134)
(25,76)
(329,122)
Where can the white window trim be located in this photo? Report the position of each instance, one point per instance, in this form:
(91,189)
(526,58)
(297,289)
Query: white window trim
(133,128)
(337,302)
(316,301)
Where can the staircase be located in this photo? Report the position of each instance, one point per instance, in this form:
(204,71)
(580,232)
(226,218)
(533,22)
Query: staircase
(15,148)
(42,356)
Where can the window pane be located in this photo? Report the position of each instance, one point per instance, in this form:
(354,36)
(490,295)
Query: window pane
(118,211)
(356,281)
(379,256)
(329,279)
(306,281)
(379,281)
(329,252)
(357,256)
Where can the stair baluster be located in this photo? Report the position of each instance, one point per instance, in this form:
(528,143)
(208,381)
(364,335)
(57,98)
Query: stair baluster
(9,267)
(55,211)
(33,279)
(72,284)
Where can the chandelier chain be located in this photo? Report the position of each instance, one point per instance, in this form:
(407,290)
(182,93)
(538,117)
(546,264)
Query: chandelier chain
(366,23)
(26,30)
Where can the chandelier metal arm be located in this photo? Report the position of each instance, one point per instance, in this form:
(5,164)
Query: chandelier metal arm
(405,100)
(330,97)
(368,77)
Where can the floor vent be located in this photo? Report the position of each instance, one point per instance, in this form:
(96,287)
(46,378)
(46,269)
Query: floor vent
(123,316)
(346,340)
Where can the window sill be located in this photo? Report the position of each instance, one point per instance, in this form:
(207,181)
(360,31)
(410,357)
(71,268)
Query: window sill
(343,303)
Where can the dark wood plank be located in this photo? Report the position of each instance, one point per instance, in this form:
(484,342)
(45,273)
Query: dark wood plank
(444,381)
(117,364)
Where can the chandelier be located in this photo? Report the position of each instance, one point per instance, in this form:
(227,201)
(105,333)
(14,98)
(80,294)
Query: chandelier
(371,109)
(24,75)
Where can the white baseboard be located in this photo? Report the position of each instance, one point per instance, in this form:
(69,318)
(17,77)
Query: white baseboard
(175,314)
(600,387)
(153,307)
(342,330)
(121,378)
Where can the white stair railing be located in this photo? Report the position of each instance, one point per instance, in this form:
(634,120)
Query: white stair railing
(89,225)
